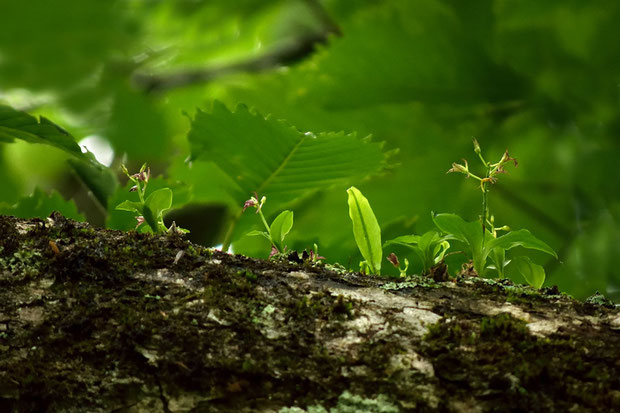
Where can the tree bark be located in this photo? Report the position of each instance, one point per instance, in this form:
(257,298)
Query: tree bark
(100,321)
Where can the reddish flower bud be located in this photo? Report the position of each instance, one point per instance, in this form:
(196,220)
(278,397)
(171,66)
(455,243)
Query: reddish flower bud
(393,259)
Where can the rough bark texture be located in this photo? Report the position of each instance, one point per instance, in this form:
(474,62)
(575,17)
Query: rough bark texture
(101,321)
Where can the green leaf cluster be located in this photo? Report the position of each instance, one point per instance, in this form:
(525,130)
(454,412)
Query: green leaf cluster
(481,249)
(152,209)
(430,247)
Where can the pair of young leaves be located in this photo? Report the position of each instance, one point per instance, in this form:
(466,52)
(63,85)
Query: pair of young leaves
(152,209)
(431,247)
(278,230)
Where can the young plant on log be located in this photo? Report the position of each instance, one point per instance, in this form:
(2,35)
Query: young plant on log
(150,209)
(279,228)
(366,231)
(481,237)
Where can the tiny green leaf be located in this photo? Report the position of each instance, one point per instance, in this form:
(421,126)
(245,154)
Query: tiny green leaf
(259,233)
(533,273)
(365,229)
(498,256)
(281,226)
(130,206)
(403,240)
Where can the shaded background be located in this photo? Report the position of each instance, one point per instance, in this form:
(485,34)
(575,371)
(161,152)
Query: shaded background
(541,79)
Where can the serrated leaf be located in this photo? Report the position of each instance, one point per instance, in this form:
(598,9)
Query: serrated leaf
(273,158)
(521,238)
(533,273)
(365,229)
(281,226)
(15,124)
(102,182)
(41,205)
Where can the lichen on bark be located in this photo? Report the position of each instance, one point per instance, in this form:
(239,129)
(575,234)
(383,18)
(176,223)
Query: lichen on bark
(113,321)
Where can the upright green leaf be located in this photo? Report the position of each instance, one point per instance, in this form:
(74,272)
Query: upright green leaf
(468,232)
(280,227)
(533,273)
(273,158)
(154,206)
(365,229)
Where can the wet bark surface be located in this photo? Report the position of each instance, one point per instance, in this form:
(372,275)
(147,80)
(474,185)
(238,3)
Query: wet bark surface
(99,321)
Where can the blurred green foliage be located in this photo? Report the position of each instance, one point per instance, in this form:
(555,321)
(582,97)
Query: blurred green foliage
(541,79)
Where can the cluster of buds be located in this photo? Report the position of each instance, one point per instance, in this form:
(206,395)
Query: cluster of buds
(505,159)
(457,167)
(253,202)
(142,177)
(492,169)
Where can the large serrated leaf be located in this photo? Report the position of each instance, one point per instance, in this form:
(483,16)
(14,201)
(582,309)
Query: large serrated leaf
(273,158)
(15,124)
(41,204)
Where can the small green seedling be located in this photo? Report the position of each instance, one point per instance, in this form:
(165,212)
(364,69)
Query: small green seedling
(481,237)
(429,247)
(279,228)
(149,210)
(366,231)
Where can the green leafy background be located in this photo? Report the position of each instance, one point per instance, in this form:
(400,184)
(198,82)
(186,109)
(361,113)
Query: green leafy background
(540,79)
